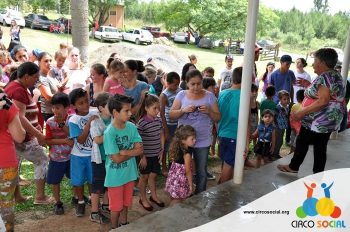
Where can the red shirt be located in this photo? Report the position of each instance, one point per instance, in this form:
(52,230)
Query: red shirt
(7,147)
(16,91)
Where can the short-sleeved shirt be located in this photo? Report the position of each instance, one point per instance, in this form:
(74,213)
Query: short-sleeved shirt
(267,104)
(281,117)
(304,76)
(265,132)
(229,109)
(150,132)
(98,126)
(327,119)
(226,78)
(115,87)
(282,81)
(51,83)
(295,124)
(77,79)
(135,92)
(58,153)
(116,140)
(76,125)
(170,100)
(16,91)
(7,147)
(201,122)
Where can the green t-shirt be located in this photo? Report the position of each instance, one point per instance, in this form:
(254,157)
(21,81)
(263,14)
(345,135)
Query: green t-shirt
(101,147)
(115,140)
(267,104)
(229,108)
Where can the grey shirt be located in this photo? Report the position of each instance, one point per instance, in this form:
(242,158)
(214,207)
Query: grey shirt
(51,83)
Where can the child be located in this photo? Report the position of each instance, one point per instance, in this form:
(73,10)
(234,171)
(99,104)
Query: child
(266,137)
(268,103)
(60,147)
(281,119)
(152,134)
(98,158)
(60,71)
(113,83)
(79,130)
(179,183)
(167,98)
(5,63)
(122,143)
(208,72)
(254,110)
(295,125)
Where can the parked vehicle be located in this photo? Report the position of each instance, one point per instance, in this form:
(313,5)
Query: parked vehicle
(36,21)
(264,43)
(138,36)
(6,16)
(155,31)
(106,33)
(180,37)
(67,24)
(205,42)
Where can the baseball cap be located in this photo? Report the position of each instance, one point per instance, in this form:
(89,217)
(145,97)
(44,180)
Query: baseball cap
(36,52)
(286,58)
(229,57)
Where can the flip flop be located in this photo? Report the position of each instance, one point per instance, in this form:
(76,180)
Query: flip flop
(46,201)
(23,199)
(286,168)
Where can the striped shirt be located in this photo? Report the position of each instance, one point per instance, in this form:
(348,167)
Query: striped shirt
(150,131)
(171,97)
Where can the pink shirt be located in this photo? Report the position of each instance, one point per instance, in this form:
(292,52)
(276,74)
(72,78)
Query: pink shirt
(114,87)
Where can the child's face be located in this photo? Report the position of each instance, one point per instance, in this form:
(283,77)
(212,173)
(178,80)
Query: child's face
(284,101)
(117,74)
(254,94)
(151,78)
(189,141)
(60,61)
(153,110)
(267,119)
(59,111)
(104,111)
(82,105)
(124,114)
(208,74)
(270,68)
(173,86)
(3,60)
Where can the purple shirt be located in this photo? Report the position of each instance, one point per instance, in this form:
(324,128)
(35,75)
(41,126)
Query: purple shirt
(201,122)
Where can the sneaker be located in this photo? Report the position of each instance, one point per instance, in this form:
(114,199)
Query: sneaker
(210,176)
(74,201)
(105,211)
(58,208)
(87,200)
(80,210)
(98,218)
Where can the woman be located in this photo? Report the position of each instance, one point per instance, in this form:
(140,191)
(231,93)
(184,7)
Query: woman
(187,67)
(11,131)
(198,108)
(265,78)
(133,87)
(98,75)
(300,75)
(14,33)
(77,74)
(193,59)
(47,85)
(17,90)
(20,54)
(321,112)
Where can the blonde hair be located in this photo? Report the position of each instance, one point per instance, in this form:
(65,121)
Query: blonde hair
(181,133)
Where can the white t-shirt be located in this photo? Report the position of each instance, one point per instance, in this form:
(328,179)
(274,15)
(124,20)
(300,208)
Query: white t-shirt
(304,76)
(226,78)
(77,78)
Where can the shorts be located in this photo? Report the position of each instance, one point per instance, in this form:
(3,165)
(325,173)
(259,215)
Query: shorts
(80,170)
(120,197)
(8,180)
(98,178)
(262,148)
(34,152)
(227,150)
(57,170)
(152,166)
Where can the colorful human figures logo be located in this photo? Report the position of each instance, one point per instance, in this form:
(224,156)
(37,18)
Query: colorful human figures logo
(323,206)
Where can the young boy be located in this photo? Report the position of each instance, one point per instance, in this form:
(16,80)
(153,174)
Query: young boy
(60,147)
(281,119)
(79,130)
(122,143)
(295,125)
(268,103)
(98,158)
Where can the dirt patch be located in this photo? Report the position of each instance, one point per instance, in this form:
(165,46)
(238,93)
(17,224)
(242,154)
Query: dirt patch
(164,56)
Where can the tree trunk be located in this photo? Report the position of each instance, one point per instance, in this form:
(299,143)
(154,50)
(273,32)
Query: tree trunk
(80,27)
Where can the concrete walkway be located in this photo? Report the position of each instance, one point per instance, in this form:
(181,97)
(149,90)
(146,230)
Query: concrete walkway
(225,198)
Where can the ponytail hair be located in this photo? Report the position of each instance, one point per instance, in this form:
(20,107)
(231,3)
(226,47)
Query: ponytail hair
(148,101)
(181,133)
(100,69)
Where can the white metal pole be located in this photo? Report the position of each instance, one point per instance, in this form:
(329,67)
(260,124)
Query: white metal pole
(248,65)
(346,60)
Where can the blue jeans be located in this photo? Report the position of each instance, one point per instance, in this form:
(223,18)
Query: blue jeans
(200,155)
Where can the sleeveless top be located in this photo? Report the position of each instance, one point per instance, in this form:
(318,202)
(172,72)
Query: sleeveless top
(171,97)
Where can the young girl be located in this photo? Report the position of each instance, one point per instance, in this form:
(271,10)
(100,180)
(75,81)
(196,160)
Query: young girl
(179,183)
(98,74)
(113,83)
(266,137)
(151,131)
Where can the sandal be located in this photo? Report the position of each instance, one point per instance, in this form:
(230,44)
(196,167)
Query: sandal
(160,204)
(286,168)
(23,199)
(148,208)
(46,201)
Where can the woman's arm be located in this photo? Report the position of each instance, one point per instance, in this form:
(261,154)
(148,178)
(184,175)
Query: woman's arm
(214,112)
(45,92)
(16,130)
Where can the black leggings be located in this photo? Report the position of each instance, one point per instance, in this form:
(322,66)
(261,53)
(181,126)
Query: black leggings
(305,138)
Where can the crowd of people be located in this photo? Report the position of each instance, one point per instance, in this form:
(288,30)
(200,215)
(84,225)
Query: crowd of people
(119,125)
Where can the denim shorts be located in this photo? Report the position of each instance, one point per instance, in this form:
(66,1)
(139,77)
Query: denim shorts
(57,170)
(80,170)
(227,148)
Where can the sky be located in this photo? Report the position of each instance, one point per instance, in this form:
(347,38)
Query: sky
(306,5)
